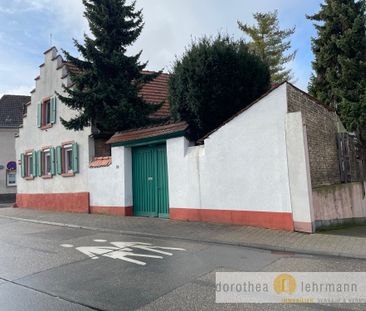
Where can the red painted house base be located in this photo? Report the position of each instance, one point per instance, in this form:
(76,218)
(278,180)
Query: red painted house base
(270,220)
(61,202)
(112,210)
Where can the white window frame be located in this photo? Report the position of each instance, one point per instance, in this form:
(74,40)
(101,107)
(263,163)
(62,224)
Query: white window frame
(7,178)
(46,154)
(46,113)
(29,164)
(67,154)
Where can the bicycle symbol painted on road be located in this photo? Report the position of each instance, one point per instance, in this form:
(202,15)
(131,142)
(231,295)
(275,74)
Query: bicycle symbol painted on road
(125,250)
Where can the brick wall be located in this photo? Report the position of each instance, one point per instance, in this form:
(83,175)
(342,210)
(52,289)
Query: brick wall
(321,130)
(101,148)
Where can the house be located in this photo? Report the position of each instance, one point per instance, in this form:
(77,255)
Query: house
(55,162)
(285,162)
(11,117)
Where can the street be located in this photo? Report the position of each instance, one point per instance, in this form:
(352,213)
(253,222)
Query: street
(45,267)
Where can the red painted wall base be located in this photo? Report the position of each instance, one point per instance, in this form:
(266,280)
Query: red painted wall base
(79,203)
(68,202)
(270,220)
(61,202)
(112,210)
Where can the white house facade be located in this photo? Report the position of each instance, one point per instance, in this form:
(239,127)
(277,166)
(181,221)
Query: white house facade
(54,161)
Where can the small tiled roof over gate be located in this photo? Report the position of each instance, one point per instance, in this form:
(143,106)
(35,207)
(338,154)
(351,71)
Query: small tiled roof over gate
(148,132)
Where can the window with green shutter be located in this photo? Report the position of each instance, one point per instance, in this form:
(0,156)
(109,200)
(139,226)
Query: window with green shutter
(53,110)
(75,158)
(34,163)
(59,160)
(53,161)
(47,112)
(39,163)
(39,114)
(28,166)
(22,162)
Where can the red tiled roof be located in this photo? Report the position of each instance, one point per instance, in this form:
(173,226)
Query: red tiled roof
(100,162)
(148,132)
(72,68)
(154,92)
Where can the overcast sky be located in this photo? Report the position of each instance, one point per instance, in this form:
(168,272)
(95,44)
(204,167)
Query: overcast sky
(170,25)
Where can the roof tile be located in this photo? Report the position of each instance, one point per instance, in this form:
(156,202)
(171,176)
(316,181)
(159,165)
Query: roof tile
(100,162)
(148,132)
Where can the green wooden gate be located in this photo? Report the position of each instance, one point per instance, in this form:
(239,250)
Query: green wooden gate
(150,181)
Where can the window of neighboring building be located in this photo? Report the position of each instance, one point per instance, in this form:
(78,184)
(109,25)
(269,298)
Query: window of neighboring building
(11,179)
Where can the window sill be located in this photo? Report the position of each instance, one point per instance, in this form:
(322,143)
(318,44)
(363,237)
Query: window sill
(68,174)
(29,178)
(46,176)
(46,127)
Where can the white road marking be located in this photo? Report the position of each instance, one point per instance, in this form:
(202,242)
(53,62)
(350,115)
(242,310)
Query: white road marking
(67,245)
(124,250)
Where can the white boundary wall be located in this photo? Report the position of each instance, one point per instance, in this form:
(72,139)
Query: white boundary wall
(241,167)
(299,173)
(112,186)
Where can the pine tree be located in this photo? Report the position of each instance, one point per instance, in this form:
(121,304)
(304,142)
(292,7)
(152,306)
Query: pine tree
(106,81)
(269,43)
(340,60)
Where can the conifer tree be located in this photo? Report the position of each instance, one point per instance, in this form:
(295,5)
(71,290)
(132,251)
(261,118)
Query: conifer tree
(107,81)
(339,78)
(271,43)
(214,79)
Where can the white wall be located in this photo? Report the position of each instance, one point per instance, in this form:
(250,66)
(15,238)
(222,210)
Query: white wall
(7,154)
(112,186)
(242,166)
(32,137)
(299,173)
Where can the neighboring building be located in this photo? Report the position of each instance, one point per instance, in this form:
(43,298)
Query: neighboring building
(285,162)
(11,117)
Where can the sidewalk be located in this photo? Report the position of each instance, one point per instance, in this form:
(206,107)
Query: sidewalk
(350,243)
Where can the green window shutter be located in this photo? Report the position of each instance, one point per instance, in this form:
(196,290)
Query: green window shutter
(59,160)
(75,158)
(39,114)
(22,162)
(53,104)
(39,162)
(34,163)
(53,160)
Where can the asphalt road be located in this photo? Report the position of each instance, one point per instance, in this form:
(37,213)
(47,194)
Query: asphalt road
(43,267)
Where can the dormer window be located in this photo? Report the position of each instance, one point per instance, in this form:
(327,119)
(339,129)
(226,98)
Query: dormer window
(46,113)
